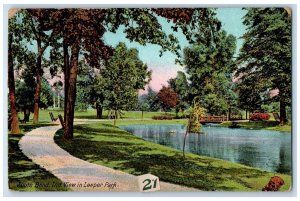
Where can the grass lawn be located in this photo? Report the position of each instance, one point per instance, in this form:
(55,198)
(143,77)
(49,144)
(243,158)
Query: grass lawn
(23,174)
(110,146)
(91,114)
(267,125)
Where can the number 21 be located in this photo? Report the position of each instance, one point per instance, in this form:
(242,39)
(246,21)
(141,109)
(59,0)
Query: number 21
(149,185)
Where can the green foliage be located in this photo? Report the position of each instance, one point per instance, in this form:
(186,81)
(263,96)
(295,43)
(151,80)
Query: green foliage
(196,112)
(142,105)
(151,99)
(86,93)
(272,107)
(267,52)
(142,26)
(261,125)
(46,99)
(25,90)
(209,66)
(121,78)
(180,86)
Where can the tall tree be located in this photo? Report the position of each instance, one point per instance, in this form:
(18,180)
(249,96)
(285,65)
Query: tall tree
(15,129)
(121,78)
(209,68)
(34,34)
(250,93)
(267,51)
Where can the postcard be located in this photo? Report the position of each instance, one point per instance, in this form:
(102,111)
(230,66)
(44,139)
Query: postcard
(185,99)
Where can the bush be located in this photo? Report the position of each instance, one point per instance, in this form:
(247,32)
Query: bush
(162,117)
(259,116)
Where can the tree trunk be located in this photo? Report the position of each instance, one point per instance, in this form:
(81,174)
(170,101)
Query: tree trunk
(66,74)
(15,129)
(283,118)
(246,114)
(142,115)
(54,100)
(58,101)
(71,95)
(26,115)
(99,110)
(38,84)
(115,117)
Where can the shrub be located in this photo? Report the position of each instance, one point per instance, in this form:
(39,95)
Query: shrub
(259,116)
(162,117)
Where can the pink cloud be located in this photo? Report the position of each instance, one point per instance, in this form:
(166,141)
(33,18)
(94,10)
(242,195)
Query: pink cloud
(160,76)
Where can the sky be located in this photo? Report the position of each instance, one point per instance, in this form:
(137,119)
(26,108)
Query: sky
(163,68)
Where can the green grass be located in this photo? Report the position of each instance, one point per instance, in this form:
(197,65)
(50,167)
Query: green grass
(110,146)
(91,114)
(266,125)
(23,174)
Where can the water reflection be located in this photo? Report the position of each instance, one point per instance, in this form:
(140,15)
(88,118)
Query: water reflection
(267,150)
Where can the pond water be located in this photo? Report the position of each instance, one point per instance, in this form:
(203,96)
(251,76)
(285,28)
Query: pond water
(267,150)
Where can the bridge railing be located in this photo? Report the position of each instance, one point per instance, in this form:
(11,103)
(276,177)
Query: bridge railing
(213,118)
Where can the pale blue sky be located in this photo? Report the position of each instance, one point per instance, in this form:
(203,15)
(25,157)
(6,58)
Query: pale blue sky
(164,67)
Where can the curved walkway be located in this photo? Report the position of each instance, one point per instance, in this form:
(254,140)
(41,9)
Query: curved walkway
(80,175)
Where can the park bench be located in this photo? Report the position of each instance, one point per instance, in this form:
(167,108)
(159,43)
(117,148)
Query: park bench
(52,117)
(61,119)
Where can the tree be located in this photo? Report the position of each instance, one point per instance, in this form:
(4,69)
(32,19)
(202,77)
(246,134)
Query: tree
(82,30)
(209,68)
(57,85)
(32,33)
(251,95)
(25,91)
(168,98)
(180,86)
(267,51)
(142,106)
(151,99)
(15,129)
(121,78)
(86,79)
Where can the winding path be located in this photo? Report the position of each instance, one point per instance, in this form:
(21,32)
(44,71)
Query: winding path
(39,146)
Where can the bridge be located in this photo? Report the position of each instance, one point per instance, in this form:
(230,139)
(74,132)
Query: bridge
(213,119)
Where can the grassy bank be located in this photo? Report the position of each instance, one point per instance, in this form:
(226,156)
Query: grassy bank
(23,174)
(266,125)
(91,114)
(110,146)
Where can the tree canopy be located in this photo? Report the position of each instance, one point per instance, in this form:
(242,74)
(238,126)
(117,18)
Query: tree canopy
(209,66)
(121,78)
(168,98)
(266,52)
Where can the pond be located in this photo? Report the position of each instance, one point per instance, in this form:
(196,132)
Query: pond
(267,150)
